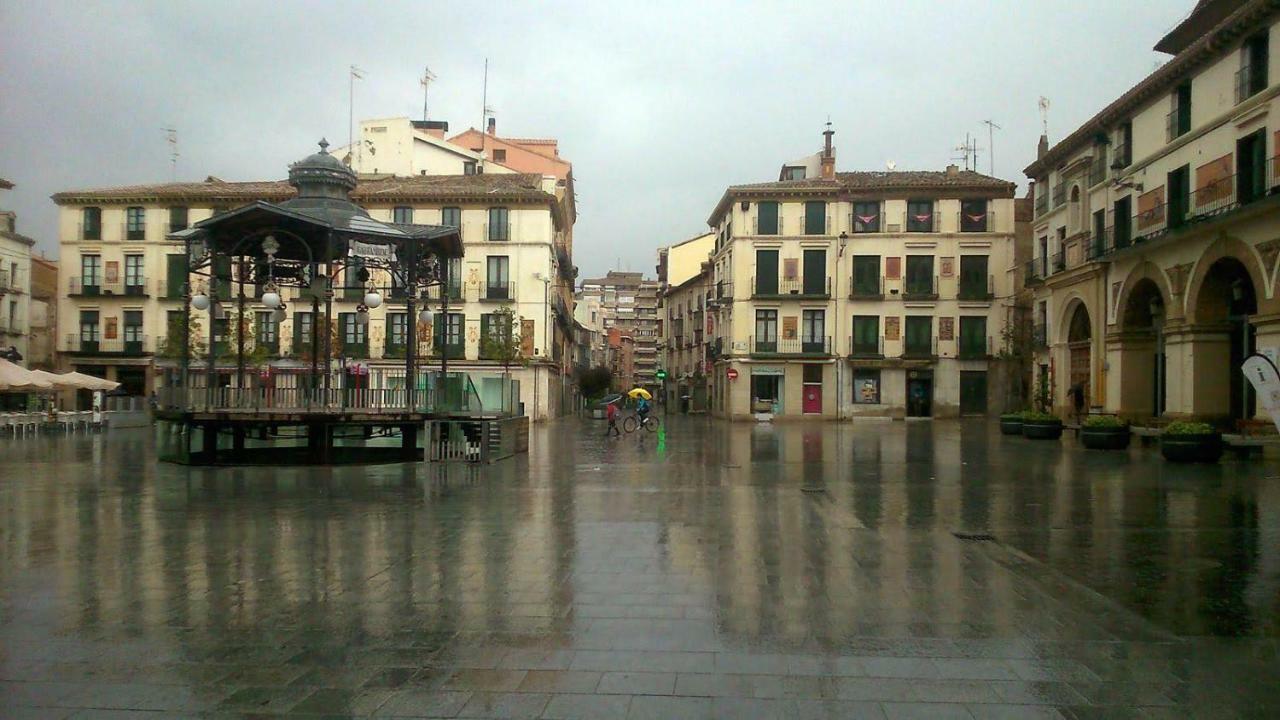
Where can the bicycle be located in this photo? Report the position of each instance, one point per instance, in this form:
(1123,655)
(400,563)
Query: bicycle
(633,423)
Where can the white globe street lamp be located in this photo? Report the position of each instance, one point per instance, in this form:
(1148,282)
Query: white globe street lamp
(372,299)
(200,301)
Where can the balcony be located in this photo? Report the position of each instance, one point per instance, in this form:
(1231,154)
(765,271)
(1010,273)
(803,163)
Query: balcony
(135,287)
(138,346)
(1042,201)
(819,226)
(88,232)
(134,234)
(819,288)
(867,290)
(1248,83)
(723,293)
(922,222)
(921,289)
(564,263)
(1060,193)
(976,223)
(976,289)
(976,350)
(454,351)
(1176,124)
(1097,170)
(354,350)
(866,350)
(819,347)
(498,292)
(1123,156)
(920,350)
(1036,271)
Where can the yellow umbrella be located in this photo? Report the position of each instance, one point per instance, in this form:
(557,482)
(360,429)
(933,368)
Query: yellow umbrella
(639,392)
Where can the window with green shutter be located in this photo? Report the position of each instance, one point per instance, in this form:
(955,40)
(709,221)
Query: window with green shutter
(766,272)
(176,271)
(303,325)
(815,217)
(815,272)
(920,280)
(919,336)
(866,336)
(767,218)
(222,277)
(974,281)
(866,276)
(973,337)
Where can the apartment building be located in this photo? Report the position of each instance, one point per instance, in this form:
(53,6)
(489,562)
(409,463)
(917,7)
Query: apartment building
(43,314)
(126,279)
(1155,229)
(861,293)
(685,278)
(629,303)
(15,285)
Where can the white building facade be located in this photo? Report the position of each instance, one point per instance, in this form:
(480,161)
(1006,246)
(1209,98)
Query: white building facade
(15,284)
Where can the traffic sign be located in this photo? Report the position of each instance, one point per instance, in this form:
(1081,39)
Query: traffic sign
(661,374)
(732,373)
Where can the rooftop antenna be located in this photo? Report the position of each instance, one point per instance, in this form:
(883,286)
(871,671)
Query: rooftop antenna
(484,111)
(171,137)
(427,77)
(356,74)
(968,149)
(1044,116)
(991,144)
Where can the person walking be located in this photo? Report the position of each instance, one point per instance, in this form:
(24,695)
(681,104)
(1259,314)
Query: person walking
(1077,400)
(611,414)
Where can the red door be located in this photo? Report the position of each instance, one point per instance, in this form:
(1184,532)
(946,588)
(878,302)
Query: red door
(812,391)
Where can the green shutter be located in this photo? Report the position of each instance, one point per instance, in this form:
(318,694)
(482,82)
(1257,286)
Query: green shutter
(815,272)
(766,272)
(767,218)
(176,271)
(815,217)
(484,332)
(222,277)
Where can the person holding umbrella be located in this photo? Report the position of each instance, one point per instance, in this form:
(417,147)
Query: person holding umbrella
(642,398)
(611,414)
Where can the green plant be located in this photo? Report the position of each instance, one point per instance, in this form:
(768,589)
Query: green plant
(1104,421)
(1039,416)
(594,382)
(502,342)
(171,344)
(1044,394)
(1183,427)
(1014,416)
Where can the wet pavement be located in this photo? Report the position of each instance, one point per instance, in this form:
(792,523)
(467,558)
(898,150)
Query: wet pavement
(877,570)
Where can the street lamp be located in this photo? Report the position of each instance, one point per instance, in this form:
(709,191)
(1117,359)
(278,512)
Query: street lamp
(201,300)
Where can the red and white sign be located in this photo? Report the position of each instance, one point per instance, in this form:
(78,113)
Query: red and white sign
(732,373)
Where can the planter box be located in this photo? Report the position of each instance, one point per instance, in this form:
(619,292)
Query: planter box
(1191,448)
(1105,438)
(1041,429)
(1011,427)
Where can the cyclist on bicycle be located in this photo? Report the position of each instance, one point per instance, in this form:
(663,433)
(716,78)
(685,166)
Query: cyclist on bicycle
(642,409)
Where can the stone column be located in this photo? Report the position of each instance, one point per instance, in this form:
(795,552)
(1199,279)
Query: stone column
(1131,356)
(1198,370)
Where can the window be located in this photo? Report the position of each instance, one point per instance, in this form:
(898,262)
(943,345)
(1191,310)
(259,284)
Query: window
(1099,233)
(469,167)
(866,276)
(90,274)
(497,281)
(135,223)
(815,272)
(173,324)
(354,337)
(133,280)
(766,339)
(920,279)
(973,337)
(499,156)
(919,336)
(813,332)
(498,329)
(92,223)
(499,229)
(451,217)
(89,330)
(766,281)
(1251,167)
(1098,166)
(133,331)
(266,331)
(1179,118)
(794,172)
(1251,78)
(402,214)
(452,337)
(1124,146)
(815,217)
(454,270)
(866,386)
(767,218)
(1179,189)
(1123,219)
(352,282)
(178,218)
(397,333)
(973,216)
(975,283)
(866,217)
(866,336)
(920,216)
(303,328)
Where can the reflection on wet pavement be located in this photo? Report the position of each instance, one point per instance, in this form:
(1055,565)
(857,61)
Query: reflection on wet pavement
(711,570)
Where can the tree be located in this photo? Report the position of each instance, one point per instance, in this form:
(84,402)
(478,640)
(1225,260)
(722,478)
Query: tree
(171,344)
(335,346)
(1018,345)
(501,341)
(242,331)
(594,382)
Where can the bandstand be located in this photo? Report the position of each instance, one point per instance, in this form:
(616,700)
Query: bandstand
(294,251)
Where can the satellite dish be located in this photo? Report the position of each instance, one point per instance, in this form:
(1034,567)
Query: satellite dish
(891,164)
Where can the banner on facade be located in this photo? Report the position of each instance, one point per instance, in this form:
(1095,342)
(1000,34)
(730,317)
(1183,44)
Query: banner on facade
(1265,378)
(369,251)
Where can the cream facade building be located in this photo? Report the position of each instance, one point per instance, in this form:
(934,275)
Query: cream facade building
(1156,235)
(687,329)
(15,283)
(123,285)
(861,293)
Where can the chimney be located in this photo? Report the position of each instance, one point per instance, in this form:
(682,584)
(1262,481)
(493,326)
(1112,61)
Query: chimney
(493,126)
(953,170)
(1043,148)
(828,154)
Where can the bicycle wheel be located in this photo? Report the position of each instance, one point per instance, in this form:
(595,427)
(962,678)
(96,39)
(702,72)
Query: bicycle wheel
(629,425)
(651,424)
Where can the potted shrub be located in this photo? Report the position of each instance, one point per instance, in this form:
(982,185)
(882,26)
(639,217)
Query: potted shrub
(1039,425)
(1104,432)
(1011,423)
(1190,442)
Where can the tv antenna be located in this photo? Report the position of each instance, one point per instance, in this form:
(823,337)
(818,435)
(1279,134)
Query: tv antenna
(356,74)
(968,150)
(1044,116)
(427,77)
(991,144)
(171,137)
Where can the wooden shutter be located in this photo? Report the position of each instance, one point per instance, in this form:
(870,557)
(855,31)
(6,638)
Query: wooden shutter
(175,275)
(766,272)
(815,271)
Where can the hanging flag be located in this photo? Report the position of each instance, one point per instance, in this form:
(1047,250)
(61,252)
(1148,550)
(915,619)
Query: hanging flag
(923,218)
(866,219)
(975,218)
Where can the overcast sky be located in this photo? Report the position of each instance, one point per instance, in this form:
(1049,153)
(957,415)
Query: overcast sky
(659,105)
